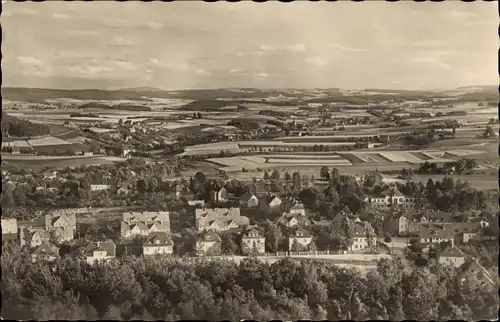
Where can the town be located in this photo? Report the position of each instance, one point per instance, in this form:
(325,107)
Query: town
(219,163)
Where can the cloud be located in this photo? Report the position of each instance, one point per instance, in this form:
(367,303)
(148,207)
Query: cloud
(60,16)
(431,61)
(296,48)
(122,41)
(345,48)
(240,54)
(201,71)
(172,66)
(28,60)
(262,75)
(266,48)
(316,61)
(89,70)
(232,70)
(154,25)
(125,65)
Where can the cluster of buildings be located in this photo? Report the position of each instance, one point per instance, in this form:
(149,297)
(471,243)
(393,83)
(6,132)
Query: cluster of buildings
(433,226)
(390,198)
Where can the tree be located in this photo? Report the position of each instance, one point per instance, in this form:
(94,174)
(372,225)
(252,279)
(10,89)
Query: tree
(297,181)
(275,175)
(266,175)
(325,173)
(287,176)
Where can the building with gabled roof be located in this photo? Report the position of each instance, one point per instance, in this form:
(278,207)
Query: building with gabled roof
(300,239)
(100,252)
(253,241)
(436,233)
(219,219)
(144,223)
(158,242)
(249,200)
(46,252)
(451,255)
(364,236)
(220,195)
(297,209)
(208,243)
(271,203)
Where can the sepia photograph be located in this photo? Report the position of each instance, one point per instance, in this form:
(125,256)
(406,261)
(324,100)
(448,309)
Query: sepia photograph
(191,160)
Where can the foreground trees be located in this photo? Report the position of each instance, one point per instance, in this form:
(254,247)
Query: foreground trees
(168,288)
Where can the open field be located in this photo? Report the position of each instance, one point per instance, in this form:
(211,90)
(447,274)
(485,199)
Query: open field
(40,163)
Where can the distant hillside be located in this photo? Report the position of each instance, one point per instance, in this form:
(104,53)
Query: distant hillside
(125,107)
(141,89)
(15,127)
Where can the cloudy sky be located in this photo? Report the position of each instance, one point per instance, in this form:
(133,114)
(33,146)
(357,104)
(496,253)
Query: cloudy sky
(268,45)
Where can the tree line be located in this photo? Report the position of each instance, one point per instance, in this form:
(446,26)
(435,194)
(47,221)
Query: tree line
(168,288)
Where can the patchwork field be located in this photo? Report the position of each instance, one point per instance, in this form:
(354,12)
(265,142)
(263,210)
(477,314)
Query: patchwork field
(355,161)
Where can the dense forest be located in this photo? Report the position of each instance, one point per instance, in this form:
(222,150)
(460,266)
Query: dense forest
(15,127)
(174,288)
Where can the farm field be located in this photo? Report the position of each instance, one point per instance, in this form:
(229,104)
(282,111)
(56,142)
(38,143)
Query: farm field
(57,164)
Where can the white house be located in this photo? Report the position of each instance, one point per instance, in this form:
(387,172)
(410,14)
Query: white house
(364,236)
(158,243)
(452,256)
(208,243)
(298,209)
(253,240)
(301,238)
(100,252)
(249,200)
(9,226)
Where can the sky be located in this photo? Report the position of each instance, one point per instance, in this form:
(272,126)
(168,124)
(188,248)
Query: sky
(183,45)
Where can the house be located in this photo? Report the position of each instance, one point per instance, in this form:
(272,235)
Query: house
(364,236)
(99,187)
(476,271)
(301,239)
(271,203)
(100,252)
(219,219)
(436,233)
(208,243)
(33,237)
(251,241)
(292,220)
(144,223)
(158,243)
(46,252)
(297,209)
(9,227)
(467,231)
(452,256)
(220,196)
(390,198)
(249,200)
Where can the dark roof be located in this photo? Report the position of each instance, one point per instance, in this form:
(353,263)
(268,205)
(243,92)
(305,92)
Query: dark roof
(163,237)
(46,248)
(452,252)
(436,231)
(108,246)
(209,236)
(252,231)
